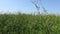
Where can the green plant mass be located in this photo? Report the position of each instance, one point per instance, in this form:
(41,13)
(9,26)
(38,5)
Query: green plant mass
(29,24)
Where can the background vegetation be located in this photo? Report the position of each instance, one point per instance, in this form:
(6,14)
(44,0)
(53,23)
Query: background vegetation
(29,24)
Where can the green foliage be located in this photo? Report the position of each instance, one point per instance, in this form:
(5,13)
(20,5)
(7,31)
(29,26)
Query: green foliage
(29,24)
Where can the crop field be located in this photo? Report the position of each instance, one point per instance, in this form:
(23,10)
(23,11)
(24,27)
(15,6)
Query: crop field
(29,24)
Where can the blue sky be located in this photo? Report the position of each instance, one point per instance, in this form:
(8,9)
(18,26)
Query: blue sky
(25,6)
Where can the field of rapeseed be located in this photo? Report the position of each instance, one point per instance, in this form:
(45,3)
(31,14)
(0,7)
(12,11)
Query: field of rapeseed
(29,24)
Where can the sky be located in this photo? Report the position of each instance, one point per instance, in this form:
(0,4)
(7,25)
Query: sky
(25,6)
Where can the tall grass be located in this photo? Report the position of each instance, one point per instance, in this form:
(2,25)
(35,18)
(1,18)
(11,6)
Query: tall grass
(29,24)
